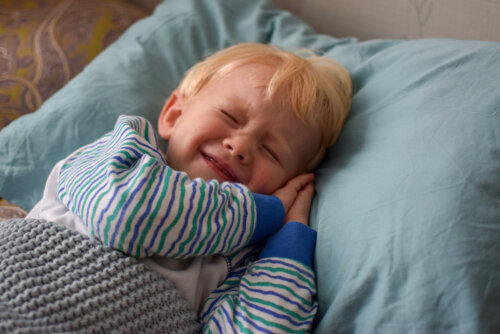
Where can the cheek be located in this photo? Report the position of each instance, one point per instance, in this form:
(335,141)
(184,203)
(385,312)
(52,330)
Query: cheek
(267,178)
(191,137)
(206,129)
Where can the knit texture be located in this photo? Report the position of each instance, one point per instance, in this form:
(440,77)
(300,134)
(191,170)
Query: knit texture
(53,279)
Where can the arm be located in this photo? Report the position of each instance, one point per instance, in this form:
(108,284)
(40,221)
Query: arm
(127,196)
(275,294)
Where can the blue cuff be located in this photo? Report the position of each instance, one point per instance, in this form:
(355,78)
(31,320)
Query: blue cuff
(294,241)
(270,216)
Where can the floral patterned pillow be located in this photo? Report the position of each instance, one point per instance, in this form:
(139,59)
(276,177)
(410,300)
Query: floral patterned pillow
(44,43)
(8,210)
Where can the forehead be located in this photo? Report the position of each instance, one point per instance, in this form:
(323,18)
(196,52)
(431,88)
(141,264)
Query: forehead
(249,83)
(243,87)
(246,87)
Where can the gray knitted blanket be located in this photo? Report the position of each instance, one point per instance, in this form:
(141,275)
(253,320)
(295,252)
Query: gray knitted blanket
(54,280)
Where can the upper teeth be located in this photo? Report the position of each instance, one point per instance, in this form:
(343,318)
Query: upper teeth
(222,169)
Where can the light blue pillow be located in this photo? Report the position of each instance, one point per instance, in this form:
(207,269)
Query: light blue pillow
(408,205)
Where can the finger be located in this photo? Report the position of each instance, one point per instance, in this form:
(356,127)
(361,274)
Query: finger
(299,211)
(288,193)
(300,181)
(305,197)
(287,197)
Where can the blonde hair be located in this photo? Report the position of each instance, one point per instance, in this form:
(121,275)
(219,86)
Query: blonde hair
(319,88)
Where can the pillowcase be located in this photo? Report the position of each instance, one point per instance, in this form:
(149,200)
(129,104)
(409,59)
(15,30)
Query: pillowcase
(408,205)
(408,200)
(45,43)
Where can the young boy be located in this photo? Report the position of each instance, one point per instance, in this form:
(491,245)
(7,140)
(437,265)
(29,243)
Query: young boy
(244,128)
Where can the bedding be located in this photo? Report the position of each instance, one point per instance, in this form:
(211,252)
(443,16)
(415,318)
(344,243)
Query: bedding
(408,200)
(53,279)
(43,44)
(8,210)
(408,206)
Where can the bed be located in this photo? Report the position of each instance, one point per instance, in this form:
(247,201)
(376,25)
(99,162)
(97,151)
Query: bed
(407,207)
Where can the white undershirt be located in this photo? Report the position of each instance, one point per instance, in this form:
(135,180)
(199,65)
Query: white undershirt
(196,277)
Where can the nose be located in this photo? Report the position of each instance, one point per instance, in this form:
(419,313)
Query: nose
(239,148)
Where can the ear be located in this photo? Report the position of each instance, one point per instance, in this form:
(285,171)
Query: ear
(170,113)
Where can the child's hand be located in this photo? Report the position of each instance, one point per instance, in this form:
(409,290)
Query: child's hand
(296,197)
(299,212)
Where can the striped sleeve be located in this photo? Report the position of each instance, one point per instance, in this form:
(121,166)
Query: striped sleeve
(272,295)
(275,294)
(126,195)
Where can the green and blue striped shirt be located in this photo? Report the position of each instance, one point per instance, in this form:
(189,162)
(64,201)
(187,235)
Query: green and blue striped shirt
(130,199)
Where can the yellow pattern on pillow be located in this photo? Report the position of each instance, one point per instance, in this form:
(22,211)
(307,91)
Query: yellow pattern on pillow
(44,43)
(8,210)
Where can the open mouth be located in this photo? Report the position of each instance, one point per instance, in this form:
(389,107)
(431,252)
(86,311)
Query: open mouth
(220,168)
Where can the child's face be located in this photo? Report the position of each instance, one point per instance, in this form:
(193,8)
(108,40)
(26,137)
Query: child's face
(229,131)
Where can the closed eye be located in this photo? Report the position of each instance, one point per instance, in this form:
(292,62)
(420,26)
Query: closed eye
(272,154)
(230,117)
